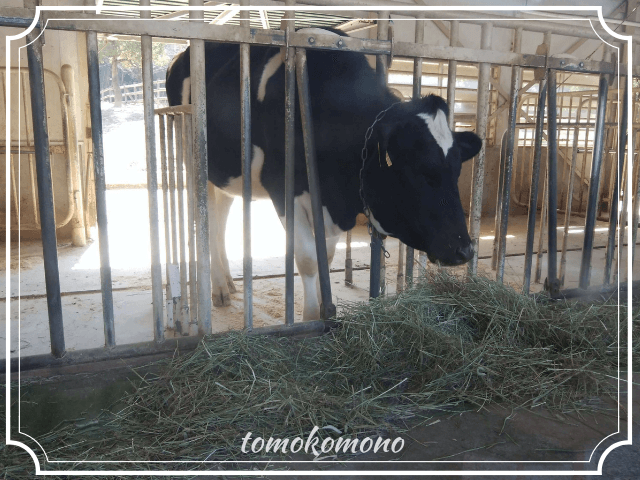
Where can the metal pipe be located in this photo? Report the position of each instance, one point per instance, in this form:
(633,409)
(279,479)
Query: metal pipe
(152,179)
(45,193)
(594,184)
(100,188)
(613,212)
(516,80)
(374,273)
(165,205)
(496,227)
(180,326)
(552,188)
(171,168)
(400,274)
(477,187)
(569,202)
(376,242)
(199,101)
(417,93)
(245,122)
(348,262)
(191,230)
(543,221)
(78,224)
(289,163)
(506,163)
(452,70)
(327,309)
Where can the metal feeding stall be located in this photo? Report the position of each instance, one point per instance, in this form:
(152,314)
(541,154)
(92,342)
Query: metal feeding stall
(184,145)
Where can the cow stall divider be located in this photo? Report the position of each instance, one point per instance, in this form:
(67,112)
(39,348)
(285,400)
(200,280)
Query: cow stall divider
(183,156)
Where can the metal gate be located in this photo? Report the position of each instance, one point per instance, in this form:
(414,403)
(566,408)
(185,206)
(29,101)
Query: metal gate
(185,134)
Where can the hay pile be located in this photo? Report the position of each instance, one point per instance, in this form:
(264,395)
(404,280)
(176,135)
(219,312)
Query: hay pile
(395,362)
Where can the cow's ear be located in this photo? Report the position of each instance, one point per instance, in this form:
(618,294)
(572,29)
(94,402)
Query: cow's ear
(469,144)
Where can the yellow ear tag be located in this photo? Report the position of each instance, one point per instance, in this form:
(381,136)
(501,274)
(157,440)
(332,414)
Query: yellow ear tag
(388,160)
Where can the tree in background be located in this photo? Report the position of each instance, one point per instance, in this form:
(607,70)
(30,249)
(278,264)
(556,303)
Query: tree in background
(127,54)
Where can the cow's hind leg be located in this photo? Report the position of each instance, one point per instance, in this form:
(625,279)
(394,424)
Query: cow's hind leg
(221,282)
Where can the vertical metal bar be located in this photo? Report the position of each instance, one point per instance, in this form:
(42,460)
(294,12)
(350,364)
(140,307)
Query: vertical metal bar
(552,188)
(167,223)
(613,210)
(180,327)
(289,162)
(374,277)
(245,121)
(477,187)
(152,178)
(78,225)
(165,195)
(376,241)
(199,101)
(191,227)
(535,180)
(452,70)
(568,204)
(594,184)
(45,193)
(417,93)
(400,274)
(171,167)
(516,80)
(100,188)
(377,273)
(543,222)
(348,263)
(327,309)
(496,228)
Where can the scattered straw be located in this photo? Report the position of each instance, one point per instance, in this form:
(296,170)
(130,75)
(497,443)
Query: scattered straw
(447,343)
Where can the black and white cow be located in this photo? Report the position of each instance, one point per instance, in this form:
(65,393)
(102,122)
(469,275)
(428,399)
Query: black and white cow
(413,196)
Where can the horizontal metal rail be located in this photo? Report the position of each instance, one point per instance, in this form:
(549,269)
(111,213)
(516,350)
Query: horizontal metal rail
(75,21)
(169,345)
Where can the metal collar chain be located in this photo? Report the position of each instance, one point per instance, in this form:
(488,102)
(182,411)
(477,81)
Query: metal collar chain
(363,156)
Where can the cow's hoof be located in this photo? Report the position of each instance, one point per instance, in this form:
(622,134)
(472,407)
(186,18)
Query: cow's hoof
(221,299)
(311,313)
(231,285)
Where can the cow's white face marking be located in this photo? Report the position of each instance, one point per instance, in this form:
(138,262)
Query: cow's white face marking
(439,129)
(186,91)
(257,190)
(270,69)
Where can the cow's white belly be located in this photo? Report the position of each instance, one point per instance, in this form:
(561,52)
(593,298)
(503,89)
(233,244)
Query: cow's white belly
(234,187)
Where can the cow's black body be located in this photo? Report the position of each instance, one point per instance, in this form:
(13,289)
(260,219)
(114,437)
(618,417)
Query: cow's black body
(414,199)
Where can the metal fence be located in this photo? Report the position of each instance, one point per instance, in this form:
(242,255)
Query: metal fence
(133,93)
(187,126)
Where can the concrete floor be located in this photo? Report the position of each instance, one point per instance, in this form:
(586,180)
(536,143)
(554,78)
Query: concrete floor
(130,261)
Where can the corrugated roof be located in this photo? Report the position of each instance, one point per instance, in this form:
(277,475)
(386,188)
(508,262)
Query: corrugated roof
(303,19)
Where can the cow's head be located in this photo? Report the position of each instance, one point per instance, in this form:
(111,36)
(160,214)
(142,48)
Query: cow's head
(413,195)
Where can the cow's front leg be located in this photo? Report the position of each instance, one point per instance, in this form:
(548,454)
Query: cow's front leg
(221,282)
(306,257)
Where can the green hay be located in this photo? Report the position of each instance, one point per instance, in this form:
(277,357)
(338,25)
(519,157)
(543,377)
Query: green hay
(445,344)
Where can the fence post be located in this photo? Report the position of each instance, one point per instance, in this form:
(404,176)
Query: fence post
(152,179)
(477,187)
(45,193)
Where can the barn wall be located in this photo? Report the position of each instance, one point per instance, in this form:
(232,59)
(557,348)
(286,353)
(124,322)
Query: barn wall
(60,48)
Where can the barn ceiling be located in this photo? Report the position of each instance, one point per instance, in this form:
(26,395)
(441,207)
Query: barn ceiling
(224,13)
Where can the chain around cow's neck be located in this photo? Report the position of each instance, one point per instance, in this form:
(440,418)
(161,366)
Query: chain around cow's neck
(365,153)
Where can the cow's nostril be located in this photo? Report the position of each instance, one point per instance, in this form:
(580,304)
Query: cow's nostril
(465,253)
